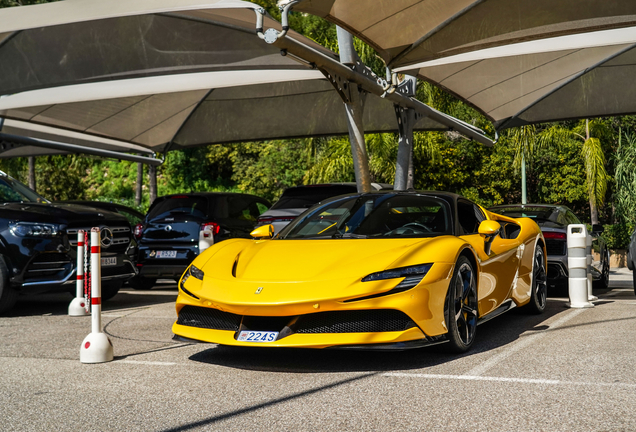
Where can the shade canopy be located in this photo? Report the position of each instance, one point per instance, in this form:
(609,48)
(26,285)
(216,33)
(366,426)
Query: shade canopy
(406,32)
(568,77)
(160,75)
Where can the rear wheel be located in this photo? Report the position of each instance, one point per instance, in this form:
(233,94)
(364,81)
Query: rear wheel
(461,307)
(8,295)
(538,297)
(634,279)
(142,283)
(110,289)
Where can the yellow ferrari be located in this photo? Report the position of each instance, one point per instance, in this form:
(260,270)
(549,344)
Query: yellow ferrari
(382,270)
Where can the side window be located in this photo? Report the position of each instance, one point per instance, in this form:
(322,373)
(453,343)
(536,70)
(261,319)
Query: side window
(470,216)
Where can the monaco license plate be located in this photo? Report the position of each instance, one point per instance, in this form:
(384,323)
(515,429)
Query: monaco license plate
(110,261)
(257,336)
(167,254)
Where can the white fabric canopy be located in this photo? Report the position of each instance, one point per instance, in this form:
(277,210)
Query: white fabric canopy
(164,74)
(406,32)
(568,77)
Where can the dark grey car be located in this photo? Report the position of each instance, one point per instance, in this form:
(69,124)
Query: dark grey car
(553,221)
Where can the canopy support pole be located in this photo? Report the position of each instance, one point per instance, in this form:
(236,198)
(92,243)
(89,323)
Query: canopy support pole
(406,118)
(354,107)
(371,83)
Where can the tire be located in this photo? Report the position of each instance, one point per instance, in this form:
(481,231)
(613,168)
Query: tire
(8,295)
(461,310)
(603,283)
(538,297)
(142,283)
(110,289)
(634,280)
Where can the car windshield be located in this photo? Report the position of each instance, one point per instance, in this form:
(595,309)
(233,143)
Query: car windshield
(179,206)
(14,191)
(539,214)
(373,216)
(306,196)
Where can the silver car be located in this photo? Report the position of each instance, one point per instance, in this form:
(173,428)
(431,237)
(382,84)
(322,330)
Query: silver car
(295,200)
(553,221)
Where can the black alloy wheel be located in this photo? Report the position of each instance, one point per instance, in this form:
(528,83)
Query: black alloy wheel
(538,297)
(461,307)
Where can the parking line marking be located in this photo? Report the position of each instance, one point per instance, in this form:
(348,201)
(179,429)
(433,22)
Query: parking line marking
(503,379)
(520,344)
(148,363)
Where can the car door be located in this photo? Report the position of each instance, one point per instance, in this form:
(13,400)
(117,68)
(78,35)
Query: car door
(499,268)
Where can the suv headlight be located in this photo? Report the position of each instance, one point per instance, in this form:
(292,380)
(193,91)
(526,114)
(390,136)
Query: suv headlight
(28,229)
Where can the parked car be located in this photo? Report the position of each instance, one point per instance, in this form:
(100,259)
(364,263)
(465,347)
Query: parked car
(179,227)
(134,217)
(631,257)
(384,270)
(296,200)
(553,220)
(38,240)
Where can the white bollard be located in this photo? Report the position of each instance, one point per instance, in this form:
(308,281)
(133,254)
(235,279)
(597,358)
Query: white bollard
(578,267)
(588,251)
(77,307)
(96,347)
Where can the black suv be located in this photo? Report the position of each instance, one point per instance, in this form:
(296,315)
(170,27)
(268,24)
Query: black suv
(179,227)
(38,242)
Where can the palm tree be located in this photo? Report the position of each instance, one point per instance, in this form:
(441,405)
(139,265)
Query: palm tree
(591,132)
(526,146)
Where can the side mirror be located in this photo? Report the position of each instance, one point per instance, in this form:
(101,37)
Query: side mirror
(489,229)
(263,232)
(597,229)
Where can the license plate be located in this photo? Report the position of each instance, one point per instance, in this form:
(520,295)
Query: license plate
(110,261)
(257,336)
(167,254)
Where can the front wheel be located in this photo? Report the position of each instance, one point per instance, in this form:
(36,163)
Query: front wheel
(538,297)
(461,307)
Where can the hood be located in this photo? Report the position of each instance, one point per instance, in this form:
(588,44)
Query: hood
(60,213)
(315,260)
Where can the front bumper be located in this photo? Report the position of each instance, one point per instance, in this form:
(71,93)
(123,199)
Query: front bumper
(387,320)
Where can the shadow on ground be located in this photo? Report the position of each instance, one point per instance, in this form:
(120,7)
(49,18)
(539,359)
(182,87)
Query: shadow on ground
(57,303)
(492,334)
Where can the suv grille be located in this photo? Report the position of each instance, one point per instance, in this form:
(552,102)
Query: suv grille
(121,235)
(357,321)
(48,264)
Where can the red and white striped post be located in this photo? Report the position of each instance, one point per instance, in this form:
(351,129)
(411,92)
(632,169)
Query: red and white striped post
(77,307)
(96,347)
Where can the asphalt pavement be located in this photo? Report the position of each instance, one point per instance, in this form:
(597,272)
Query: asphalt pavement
(565,370)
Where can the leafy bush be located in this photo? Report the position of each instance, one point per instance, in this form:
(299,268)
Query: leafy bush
(617,236)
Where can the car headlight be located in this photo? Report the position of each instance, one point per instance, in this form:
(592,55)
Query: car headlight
(412,275)
(194,272)
(27,229)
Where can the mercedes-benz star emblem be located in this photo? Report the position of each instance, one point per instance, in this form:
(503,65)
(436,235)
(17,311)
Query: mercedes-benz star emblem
(168,228)
(106,237)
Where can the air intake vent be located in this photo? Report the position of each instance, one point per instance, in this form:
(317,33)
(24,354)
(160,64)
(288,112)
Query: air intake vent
(359,321)
(214,319)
